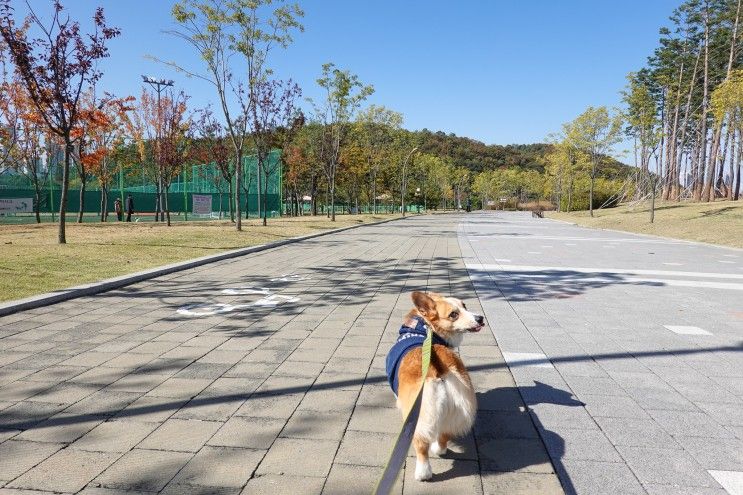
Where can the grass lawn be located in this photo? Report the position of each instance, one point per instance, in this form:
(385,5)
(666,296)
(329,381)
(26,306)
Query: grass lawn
(31,261)
(720,222)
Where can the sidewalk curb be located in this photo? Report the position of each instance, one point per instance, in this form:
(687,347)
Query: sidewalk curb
(48,298)
(652,236)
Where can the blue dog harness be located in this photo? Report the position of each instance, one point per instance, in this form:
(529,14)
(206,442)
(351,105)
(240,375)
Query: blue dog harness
(410,338)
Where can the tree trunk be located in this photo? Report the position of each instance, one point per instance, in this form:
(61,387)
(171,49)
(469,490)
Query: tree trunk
(734,151)
(82,198)
(265,199)
(61,238)
(652,202)
(229,200)
(238,185)
(37,203)
(720,184)
(166,194)
(675,190)
(702,162)
(374,192)
(332,200)
(736,182)
(593,178)
(104,199)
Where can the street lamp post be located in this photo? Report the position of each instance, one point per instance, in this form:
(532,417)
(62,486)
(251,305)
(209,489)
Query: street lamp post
(403,185)
(158,85)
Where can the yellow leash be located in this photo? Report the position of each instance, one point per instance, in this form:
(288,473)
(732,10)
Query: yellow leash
(405,437)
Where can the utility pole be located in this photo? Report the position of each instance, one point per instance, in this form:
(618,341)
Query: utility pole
(158,85)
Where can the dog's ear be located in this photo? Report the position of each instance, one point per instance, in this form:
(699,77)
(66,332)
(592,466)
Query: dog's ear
(424,304)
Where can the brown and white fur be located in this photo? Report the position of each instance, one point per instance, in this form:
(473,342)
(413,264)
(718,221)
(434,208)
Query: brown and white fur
(448,405)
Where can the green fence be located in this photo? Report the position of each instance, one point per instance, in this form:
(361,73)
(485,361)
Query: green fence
(197,179)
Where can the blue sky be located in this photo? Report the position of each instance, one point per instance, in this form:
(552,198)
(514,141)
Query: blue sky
(500,71)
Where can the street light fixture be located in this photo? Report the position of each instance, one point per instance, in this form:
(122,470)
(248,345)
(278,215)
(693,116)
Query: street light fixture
(158,85)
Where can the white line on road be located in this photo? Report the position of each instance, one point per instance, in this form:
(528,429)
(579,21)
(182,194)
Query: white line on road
(602,271)
(533,359)
(731,481)
(687,330)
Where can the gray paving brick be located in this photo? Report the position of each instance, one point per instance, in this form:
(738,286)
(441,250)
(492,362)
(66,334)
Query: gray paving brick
(299,457)
(17,457)
(245,432)
(274,484)
(365,449)
(347,479)
(220,466)
(145,470)
(115,436)
(600,478)
(68,470)
(666,467)
(180,435)
(497,483)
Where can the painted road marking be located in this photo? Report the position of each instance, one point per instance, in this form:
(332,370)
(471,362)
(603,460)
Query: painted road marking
(245,291)
(606,277)
(530,359)
(602,271)
(502,260)
(586,239)
(533,252)
(687,330)
(674,264)
(725,261)
(730,255)
(731,481)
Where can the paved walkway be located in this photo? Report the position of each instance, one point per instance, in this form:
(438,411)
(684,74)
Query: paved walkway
(627,349)
(265,374)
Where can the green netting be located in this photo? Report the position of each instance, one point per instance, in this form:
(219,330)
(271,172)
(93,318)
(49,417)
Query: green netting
(196,179)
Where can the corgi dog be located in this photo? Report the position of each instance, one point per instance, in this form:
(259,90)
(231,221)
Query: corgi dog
(448,404)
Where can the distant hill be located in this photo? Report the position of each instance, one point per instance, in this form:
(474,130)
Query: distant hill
(478,156)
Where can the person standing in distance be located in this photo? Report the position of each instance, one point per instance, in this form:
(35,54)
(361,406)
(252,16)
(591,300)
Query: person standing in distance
(117,209)
(129,207)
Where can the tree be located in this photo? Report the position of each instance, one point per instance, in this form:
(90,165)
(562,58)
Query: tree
(56,67)
(379,125)
(343,96)
(727,105)
(219,30)
(101,130)
(595,132)
(22,138)
(211,145)
(174,141)
(272,107)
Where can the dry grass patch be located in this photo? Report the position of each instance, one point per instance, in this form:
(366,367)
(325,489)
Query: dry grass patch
(31,262)
(720,222)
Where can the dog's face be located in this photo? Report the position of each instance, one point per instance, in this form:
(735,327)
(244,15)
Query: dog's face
(448,315)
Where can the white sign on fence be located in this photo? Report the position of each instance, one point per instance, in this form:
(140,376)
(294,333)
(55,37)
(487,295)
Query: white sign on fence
(16,205)
(202,204)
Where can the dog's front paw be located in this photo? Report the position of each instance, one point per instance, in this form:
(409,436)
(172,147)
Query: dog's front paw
(423,471)
(437,449)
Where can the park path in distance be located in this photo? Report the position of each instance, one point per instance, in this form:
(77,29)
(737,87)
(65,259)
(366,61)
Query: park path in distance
(627,349)
(262,374)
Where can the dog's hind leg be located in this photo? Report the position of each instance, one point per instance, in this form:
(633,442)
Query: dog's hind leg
(422,465)
(440,446)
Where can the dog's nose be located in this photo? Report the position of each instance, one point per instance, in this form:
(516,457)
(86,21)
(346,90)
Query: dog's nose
(480,319)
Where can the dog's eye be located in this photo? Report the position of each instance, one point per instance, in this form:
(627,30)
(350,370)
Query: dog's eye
(454,315)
